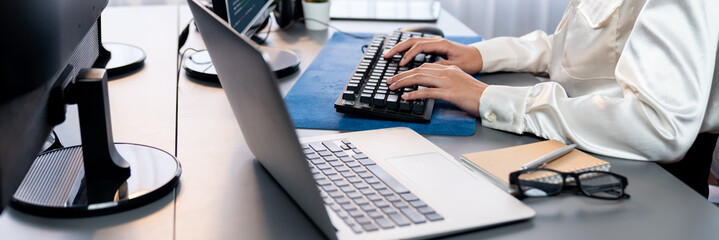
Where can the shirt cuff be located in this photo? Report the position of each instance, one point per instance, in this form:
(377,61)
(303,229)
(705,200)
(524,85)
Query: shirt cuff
(496,55)
(503,107)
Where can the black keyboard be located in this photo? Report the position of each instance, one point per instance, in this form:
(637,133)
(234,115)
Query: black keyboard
(367,92)
(364,195)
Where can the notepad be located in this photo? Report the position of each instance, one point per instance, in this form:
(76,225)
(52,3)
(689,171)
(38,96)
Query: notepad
(498,164)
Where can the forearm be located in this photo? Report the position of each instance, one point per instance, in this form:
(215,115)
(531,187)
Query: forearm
(529,53)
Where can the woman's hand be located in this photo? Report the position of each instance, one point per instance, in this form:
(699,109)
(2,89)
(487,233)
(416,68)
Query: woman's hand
(465,57)
(447,83)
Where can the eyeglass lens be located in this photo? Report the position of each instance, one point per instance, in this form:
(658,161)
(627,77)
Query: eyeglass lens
(541,183)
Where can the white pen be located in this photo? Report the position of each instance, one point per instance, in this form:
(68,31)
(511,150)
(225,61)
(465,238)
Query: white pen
(549,157)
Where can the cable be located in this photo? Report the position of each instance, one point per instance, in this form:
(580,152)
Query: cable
(182,57)
(337,29)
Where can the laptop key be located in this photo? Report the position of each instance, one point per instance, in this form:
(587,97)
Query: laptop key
(373,197)
(387,179)
(369,227)
(409,196)
(425,210)
(374,214)
(332,146)
(417,203)
(434,217)
(413,215)
(317,146)
(366,161)
(384,223)
(399,219)
(355,213)
(388,210)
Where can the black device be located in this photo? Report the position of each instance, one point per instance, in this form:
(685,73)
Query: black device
(247,17)
(367,92)
(55,44)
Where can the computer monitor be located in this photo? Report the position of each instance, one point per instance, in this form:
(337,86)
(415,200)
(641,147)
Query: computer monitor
(246,17)
(50,47)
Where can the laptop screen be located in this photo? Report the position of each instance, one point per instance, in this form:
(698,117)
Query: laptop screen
(246,16)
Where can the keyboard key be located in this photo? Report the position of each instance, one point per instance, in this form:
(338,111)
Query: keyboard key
(341,183)
(366,98)
(381,203)
(374,214)
(384,223)
(380,186)
(317,146)
(392,198)
(409,196)
(425,210)
(354,180)
(393,102)
(400,204)
(347,159)
(365,175)
(342,168)
(329,188)
(323,182)
(312,156)
(358,169)
(369,227)
(355,213)
(347,189)
(366,161)
(418,107)
(366,191)
(338,164)
(379,100)
(360,185)
(367,207)
(341,199)
(399,219)
(405,106)
(388,210)
(334,177)
(348,95)
(349,206)
(335,194)
(413,215)
(417,203)
(354,195)
(372,197)
(434,217)
(387,179)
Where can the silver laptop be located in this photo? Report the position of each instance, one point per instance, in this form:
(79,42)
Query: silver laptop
(381,184)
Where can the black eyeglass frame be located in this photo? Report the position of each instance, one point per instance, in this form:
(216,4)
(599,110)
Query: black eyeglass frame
(514,181)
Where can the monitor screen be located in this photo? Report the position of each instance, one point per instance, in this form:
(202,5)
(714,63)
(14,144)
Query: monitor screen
(245,16)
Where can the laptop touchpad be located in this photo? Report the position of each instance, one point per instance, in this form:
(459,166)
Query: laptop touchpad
(430,170)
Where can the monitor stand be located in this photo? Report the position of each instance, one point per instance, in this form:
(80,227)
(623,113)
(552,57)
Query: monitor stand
(100,177)
(124,58)
(282,62)
(118,58)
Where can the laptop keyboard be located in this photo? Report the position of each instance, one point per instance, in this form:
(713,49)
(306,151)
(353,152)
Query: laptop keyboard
(363,194)
(367,92)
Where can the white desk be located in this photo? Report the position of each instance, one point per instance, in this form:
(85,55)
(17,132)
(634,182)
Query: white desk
(225,194)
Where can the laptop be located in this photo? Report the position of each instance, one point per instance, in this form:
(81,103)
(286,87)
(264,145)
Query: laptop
(398,185)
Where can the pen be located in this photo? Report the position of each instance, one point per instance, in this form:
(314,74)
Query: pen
(549,157)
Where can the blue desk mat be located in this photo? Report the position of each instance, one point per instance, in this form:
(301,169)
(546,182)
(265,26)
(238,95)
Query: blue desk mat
(311,100)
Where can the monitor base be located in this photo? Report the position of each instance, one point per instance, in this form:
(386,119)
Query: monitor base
(124,58)
(55,185)
(282,62)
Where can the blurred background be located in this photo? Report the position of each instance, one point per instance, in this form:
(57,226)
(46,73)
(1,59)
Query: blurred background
(488,18)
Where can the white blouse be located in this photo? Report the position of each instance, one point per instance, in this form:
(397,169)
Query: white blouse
(630,79)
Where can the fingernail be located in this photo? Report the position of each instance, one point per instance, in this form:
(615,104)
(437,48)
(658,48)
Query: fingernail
(391,86)
(405,96)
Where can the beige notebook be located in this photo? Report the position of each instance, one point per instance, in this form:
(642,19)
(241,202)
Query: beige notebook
(497,164)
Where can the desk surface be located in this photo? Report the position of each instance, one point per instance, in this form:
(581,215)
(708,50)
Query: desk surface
(225,194)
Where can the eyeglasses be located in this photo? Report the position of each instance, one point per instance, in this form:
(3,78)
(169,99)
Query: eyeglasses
(542,182)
